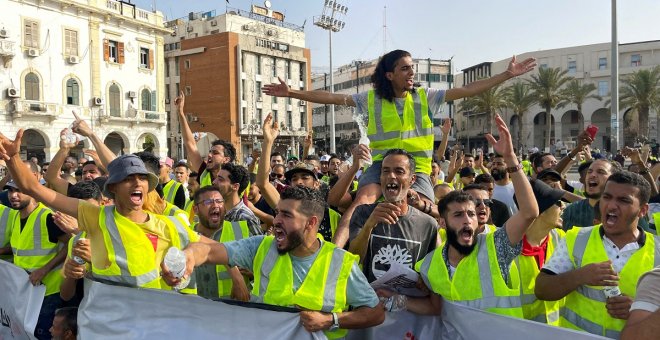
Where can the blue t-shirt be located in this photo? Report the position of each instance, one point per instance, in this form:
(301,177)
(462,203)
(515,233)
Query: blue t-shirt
(358,291)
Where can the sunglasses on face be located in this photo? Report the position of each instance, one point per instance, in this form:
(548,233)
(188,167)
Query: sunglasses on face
(487,202)
(209,201)
(273,176)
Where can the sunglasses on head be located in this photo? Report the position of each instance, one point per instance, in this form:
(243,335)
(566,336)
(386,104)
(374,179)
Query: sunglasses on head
(487,202)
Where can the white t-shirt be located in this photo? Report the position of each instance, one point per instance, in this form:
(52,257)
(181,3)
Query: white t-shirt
(504,194)
(434,97)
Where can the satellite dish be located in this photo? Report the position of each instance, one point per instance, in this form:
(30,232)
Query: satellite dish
(267,4)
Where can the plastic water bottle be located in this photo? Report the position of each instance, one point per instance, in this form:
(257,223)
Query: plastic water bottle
(611,291)
(175,260)
(396,303)
(69,136)
(365,140)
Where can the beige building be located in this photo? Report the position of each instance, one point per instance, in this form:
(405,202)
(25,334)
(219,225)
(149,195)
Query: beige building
(355,78)
(98,58)
(221,63)
(588,63)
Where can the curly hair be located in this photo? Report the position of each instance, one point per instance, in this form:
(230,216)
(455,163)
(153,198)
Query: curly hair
(311,201)
(237,174)
(230,150)
(382,85)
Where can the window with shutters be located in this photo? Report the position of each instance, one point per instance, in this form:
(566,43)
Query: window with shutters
(31,33)
(114,100)
(144,57)
(72,92)
(113,51)
(70,42)
(145,97)
(31,86)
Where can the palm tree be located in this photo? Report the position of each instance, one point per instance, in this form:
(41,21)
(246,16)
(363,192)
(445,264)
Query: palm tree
(489,102)
(577,93)
(546,89)
(519,99)
(641,92)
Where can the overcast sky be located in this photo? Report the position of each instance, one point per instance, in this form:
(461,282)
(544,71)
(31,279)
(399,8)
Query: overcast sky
(472,31)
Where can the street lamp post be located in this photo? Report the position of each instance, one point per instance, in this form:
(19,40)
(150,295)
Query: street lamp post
(328,21)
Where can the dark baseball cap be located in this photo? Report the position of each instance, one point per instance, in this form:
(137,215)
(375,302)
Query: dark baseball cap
(301,167)
(467,171)
(549,173)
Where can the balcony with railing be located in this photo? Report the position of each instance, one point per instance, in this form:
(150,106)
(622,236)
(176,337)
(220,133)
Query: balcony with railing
(35,108)
(134,116)
(126,9)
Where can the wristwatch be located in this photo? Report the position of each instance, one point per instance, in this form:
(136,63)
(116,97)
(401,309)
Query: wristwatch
(335,322)
(515,168)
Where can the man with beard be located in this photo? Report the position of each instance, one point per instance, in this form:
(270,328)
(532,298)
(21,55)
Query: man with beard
(295,268)
(503,190)
(397,115)
(302,175)
(474,269)
(41,259)
(581,213)
(218,281)
(221,152)
(597,268)
(542,161)
(482,205)
(380,231)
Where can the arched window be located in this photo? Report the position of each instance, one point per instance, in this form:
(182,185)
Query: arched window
(145,97)
(114,101)
(72,92)
(31,86)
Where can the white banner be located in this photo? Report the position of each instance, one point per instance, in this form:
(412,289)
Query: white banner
(112,312)
(463,323)
(20,303)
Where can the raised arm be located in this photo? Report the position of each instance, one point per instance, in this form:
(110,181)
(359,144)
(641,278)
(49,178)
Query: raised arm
(189,143)
(308,145)
(339,192)
(446,128)
(9,151)
(320,97)
(105,154)
(52,175)
(515,69)
(564,164)
(528,210)
(636,158)
(270,193)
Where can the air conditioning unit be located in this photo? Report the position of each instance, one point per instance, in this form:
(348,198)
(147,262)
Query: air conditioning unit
(303,103)
(4,33)
(214,23)
(97,101)
(33,52)
(167,100)
(12,92)
(189,29)
(132,94)
(270,32)
(73,59)
(245,27)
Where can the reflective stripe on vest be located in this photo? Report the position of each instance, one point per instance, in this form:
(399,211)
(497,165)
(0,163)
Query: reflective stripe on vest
(435,274)
(231,231)
(412,132)
(32,249)
(170,189)
(7,218)
(585,307)
(656,221)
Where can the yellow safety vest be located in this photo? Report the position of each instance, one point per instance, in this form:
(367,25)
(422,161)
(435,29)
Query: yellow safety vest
(334,221)
(132,255)
(7,217)
(32,249)
(192,218)
(323,289)
(174,211)
(231,231)
(477,281)
(533,308)
(656,221)
(527,167)
(205,179)
(170,189)
(585,307)
(413,132)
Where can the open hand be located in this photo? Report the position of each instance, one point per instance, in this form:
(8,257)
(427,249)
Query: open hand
(8,147)
(276,90)
(503,146)
(180,101)
(66,223)
(271,129)
(517,68)
(446,127)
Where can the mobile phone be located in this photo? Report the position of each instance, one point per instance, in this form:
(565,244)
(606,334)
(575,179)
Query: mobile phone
(592,130)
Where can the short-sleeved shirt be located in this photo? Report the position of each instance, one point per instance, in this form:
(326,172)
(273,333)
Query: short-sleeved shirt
(54,232)
(88,217)
(578,214)
(358,291)
(405,242)
(560,262)
(648,294)
(434,97)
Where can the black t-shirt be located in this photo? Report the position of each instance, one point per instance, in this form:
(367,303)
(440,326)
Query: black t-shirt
(263,206)
(499,213)
(54,232)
